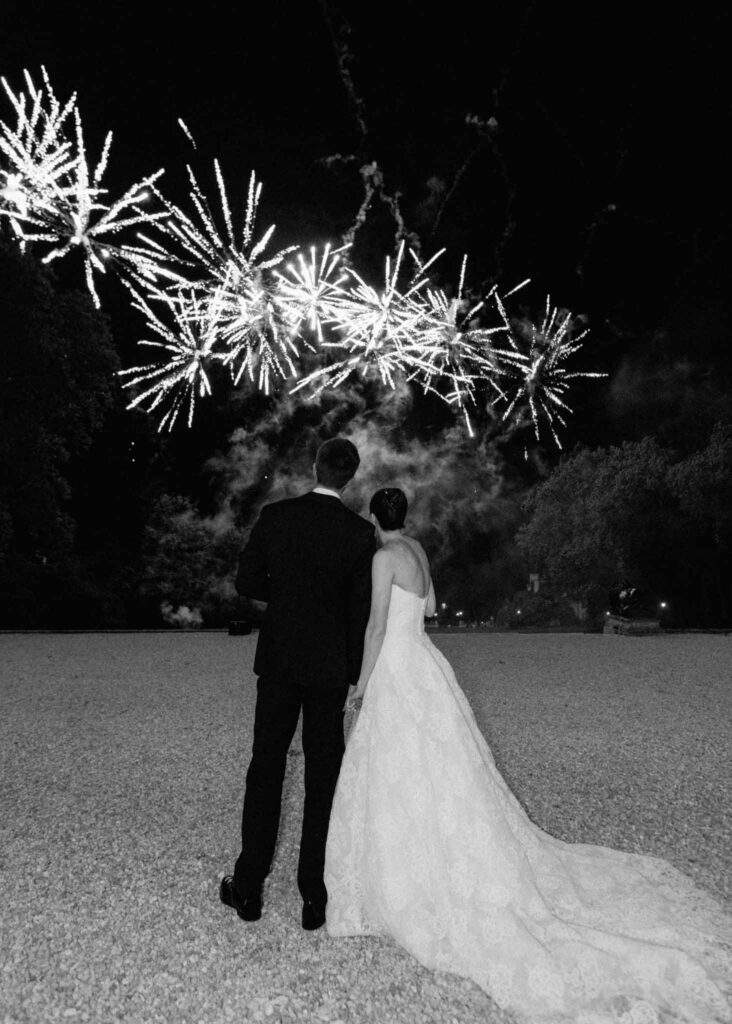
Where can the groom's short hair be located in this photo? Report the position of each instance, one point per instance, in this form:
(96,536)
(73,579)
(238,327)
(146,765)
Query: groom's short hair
(336,463)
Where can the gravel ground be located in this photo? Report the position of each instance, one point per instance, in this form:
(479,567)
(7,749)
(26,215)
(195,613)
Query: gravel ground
(123,762)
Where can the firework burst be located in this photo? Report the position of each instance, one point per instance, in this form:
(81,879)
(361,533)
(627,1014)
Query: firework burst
(379,331)
(189,346)
(208,256)
(257,307)
(231,275)
(535,365)
(461,351)
(312,291)
(51,195)
(257,329)
(213,294)
(37,155)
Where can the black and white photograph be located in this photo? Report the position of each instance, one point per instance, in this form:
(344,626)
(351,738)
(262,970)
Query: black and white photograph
(365,513)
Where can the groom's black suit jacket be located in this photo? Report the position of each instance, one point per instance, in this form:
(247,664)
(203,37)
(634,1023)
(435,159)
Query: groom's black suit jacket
(309,558)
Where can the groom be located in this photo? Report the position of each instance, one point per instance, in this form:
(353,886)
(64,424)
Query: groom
(309,560)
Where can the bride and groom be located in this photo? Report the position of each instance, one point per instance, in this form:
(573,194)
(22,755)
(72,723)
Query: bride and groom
(413,833)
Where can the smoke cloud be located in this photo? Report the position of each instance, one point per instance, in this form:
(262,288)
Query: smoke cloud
(183,617)
(460,506)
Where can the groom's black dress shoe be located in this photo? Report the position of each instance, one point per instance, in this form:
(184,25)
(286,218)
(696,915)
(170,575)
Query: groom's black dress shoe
(248,908)
(313,914)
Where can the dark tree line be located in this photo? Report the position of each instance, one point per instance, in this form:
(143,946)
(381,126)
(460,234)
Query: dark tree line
(64,489)
(638,515)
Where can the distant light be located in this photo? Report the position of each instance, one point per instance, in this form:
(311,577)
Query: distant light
(518,611)
(443,605)
(607,613)
(663,604)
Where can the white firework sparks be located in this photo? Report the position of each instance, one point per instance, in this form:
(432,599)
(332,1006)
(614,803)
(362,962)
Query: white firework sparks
(258,310)
(189,345)
(257,330)
(230,273)
(535,364)
(462,352)
(51,195)
(311,292)
(36,153)
(213,258)
(378,330)
(223,299)
(238,325)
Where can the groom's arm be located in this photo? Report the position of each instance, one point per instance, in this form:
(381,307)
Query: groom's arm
(359,604)
(252,579)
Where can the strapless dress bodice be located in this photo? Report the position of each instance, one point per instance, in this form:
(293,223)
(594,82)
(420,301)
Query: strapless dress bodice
(405,617)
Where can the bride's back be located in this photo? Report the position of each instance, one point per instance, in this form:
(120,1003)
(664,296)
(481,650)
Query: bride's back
(411,565)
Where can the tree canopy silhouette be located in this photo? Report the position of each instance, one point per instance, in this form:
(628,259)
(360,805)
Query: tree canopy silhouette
(56,384)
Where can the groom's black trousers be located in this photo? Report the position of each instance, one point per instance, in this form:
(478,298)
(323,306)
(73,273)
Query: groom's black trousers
(275,721)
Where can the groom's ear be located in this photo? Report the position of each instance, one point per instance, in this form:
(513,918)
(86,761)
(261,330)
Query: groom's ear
(315,471)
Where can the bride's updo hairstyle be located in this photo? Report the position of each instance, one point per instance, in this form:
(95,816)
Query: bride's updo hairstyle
(389,505)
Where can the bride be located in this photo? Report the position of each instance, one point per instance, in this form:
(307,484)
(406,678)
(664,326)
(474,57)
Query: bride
(427,844)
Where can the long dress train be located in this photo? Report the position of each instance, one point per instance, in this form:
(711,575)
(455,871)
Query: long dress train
(427,844)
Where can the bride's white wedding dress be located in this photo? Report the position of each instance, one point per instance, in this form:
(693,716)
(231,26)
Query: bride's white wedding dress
(428,844)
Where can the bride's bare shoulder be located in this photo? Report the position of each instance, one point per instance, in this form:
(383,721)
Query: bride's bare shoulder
(385,557)
(417,549)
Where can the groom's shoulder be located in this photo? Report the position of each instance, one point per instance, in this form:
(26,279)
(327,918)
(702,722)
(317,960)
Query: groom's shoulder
(290,508)
(304,506)
(359,530)
(358,522)
(284,506)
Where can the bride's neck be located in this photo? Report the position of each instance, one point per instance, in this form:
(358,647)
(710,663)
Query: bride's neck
(388,535)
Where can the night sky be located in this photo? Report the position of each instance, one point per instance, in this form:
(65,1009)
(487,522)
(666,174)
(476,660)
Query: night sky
(583,149)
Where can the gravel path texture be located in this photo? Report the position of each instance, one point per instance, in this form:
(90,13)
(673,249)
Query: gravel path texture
(123,765)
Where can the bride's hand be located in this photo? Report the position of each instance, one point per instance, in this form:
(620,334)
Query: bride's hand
(354,700)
